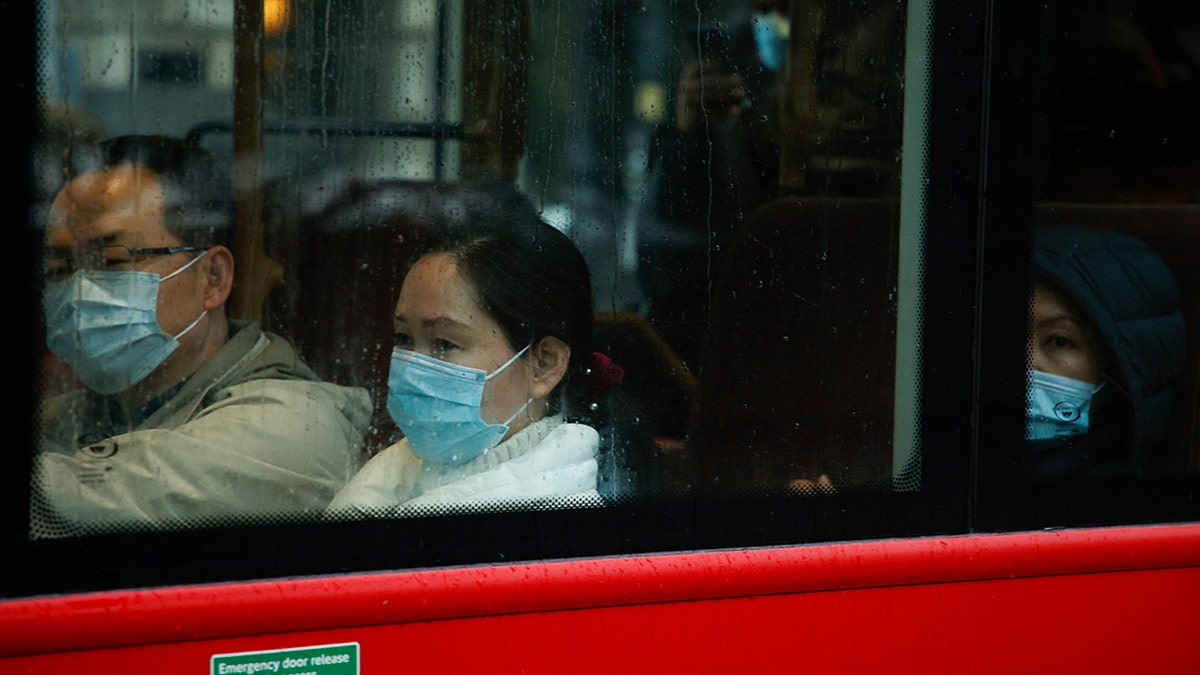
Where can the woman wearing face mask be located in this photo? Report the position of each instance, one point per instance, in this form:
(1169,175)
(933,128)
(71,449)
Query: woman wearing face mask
(1106,348)
(492,380)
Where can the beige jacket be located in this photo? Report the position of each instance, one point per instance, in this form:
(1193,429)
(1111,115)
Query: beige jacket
(252,433)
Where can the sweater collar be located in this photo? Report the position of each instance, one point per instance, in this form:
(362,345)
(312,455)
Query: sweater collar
(521,443)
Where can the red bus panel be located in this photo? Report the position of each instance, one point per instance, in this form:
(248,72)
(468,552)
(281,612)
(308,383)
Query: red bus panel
(1103,600)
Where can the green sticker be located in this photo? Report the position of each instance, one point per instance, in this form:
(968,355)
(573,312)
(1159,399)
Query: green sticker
(339,659)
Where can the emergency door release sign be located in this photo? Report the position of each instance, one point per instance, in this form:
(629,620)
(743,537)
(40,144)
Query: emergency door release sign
(339,659)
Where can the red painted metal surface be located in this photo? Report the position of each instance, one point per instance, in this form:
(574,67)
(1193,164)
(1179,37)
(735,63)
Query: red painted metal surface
(1105,600)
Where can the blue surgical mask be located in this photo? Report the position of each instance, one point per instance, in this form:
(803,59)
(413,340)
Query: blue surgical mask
(438,406)
(1056,406)
(104,324)
(771,40)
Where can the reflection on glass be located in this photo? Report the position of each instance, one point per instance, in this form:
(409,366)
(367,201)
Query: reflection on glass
(773,198)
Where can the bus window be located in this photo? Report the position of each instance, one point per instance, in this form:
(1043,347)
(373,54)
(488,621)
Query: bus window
(1110,407)
(731,175)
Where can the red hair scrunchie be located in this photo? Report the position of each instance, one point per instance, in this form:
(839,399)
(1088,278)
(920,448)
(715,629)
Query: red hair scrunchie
(602,374)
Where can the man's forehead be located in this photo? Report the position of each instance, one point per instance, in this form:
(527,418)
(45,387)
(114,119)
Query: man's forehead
(114,206)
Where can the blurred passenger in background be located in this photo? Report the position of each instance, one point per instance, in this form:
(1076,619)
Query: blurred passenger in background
(719,159)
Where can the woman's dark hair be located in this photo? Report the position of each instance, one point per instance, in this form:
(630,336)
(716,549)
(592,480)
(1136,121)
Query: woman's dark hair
(531,279)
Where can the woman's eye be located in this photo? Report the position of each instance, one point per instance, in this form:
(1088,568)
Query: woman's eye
(443,346)
(1059,342)
(403,341)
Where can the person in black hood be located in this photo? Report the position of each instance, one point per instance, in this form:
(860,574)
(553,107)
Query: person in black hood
(1106,348)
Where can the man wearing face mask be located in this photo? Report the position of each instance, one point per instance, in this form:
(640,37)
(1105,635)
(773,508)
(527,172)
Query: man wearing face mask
(1107,345)
(186,416)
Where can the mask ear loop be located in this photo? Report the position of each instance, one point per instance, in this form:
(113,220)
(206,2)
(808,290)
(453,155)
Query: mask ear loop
(191,325)
(506,363)
(203,313)
(500,370)
(191,262)
(519,411)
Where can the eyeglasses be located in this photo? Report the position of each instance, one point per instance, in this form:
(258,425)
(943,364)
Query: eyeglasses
(112,257)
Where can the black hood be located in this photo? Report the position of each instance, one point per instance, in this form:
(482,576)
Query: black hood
(1128,293)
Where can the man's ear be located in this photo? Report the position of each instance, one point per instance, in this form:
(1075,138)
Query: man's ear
(548,360)
(218,277)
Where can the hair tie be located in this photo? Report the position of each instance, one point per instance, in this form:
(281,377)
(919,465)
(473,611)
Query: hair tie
(602,375)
